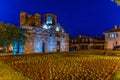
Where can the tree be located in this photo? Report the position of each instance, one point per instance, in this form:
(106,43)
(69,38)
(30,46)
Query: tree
(9,34)
(116,1)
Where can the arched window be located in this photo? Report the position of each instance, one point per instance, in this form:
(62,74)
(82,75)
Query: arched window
(49,20)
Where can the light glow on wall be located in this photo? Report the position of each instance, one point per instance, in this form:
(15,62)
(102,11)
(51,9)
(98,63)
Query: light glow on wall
(38,48)
(51,44)
(38,44)
(21,49)
(15,48)
(63,45)
(49,26)
(45,26)
(62,31)
(21,46)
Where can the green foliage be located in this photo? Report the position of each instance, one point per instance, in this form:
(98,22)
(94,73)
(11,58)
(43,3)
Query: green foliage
(116,1)
(10,34)
(7,73)
(116,76)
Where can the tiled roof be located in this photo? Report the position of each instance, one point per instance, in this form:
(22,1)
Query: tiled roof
(84,37)
(113,30)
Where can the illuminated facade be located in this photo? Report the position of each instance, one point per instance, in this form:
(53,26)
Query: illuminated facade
(112,37)
(47,37)
(86,43)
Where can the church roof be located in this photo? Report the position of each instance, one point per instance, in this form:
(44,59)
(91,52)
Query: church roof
(116,29)
(113,30)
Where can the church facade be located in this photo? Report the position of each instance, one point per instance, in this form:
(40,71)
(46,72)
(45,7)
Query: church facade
(47,37)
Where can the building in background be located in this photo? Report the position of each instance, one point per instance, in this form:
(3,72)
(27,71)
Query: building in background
(112,38)
(48,36)
(86,43)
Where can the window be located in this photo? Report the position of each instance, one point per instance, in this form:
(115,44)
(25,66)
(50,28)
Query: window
(62,31)
(113,35)
(82,40)
(72,41)
(86,40)
(49,20)
(75,41)
(57,28)
(50,34)
(116,42)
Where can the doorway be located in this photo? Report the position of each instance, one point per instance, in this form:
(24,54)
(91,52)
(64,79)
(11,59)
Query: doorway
(43,50)
(58,46)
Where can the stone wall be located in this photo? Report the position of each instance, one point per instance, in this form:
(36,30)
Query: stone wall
(40,39)
(29,20)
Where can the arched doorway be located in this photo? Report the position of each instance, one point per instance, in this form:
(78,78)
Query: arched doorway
(58,46)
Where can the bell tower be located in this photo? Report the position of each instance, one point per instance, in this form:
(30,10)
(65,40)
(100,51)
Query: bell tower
(50,19)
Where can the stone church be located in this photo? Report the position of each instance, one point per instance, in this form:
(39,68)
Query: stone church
(43,34)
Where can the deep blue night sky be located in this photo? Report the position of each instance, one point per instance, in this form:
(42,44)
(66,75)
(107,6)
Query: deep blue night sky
(87,17)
